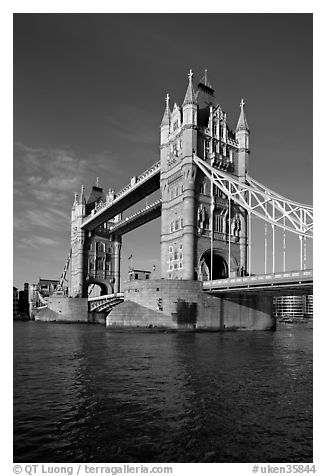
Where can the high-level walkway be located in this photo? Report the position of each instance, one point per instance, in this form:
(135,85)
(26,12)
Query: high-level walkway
(141,217)
(138,188)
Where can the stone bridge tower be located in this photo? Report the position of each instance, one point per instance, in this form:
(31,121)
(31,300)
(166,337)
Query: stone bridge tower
(95,256)
(191,220)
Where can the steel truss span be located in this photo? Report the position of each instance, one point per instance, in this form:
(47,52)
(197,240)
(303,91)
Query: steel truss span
(262,202)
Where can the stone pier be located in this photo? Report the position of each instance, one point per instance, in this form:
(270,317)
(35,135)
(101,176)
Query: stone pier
(177,304)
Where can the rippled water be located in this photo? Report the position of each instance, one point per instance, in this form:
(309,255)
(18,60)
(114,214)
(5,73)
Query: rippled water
(83,393)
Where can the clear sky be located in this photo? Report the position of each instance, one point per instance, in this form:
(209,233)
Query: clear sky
(89,97)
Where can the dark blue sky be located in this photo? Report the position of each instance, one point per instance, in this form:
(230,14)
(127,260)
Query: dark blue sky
(89,97)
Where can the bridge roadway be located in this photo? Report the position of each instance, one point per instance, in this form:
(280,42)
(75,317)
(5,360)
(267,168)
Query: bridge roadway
(138,188)
(288,283)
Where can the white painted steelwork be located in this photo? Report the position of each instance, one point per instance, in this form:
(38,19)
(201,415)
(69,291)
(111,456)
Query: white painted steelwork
(262,202)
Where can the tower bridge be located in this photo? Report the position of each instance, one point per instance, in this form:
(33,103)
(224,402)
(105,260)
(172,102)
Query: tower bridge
(207,204)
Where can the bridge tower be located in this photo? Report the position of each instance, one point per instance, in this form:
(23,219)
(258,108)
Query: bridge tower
(76,268)
(95,256)
(196,218)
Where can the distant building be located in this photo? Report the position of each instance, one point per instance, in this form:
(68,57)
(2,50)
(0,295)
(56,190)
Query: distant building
(293,306)
(47,287)
(309,306)
(15,303)
(135,274)
(23,302)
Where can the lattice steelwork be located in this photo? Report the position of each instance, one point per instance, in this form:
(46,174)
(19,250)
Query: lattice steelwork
(262,202)
(63,277)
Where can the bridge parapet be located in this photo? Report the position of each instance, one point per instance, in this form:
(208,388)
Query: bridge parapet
(104,303)
(271,279)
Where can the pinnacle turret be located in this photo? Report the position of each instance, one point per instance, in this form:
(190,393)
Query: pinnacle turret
(82,196)
(167,113)
(242,121)
(190,97)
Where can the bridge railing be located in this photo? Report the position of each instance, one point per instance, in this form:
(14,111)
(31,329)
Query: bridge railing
(106,302)
(290,276)
(135,215)
(105,297)
(137,180)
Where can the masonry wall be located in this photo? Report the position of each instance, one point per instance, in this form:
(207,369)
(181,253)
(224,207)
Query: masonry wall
(183,304)
(237,311)
(64,309)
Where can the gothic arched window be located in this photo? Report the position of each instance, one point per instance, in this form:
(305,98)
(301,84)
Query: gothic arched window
(100,247)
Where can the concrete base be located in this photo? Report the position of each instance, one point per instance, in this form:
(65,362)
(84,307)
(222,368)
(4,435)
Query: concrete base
(178,304)
(64,309)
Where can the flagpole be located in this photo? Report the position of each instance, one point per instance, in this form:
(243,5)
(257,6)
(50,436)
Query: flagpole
(131,262)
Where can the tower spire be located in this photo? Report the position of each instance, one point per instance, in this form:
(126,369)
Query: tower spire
(242,121)
(167,112)
(82,197)
(190,97)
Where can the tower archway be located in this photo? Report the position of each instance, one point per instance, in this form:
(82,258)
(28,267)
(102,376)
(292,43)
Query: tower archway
(97,288)
(219,265)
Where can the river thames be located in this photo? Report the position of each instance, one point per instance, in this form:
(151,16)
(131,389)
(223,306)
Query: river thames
(83,393)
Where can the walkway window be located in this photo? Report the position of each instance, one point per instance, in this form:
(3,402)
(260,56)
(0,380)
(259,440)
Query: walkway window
(177,224)
(202,188)
(170,249)
(175,255)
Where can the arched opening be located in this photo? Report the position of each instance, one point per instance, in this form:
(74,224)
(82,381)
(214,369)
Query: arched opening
(97,289)
(220,267)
